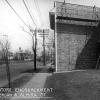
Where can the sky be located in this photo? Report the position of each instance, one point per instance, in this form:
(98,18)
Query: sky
(12,26)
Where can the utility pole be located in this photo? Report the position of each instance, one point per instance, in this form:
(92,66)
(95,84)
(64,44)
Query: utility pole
(35,44)
(51,57)
(54,49)
(43,48)
(34,38)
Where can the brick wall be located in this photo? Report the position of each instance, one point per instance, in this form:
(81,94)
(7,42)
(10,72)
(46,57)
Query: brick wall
(71,40)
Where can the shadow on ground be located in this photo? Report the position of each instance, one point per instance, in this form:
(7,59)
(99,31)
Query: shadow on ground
(39,70)
(8,94)
(32,70)
(26,76)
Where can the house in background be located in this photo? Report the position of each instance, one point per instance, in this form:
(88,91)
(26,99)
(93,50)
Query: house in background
(77,33)
(23,55)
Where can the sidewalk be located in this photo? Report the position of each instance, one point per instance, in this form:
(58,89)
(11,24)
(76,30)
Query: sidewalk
(36,82)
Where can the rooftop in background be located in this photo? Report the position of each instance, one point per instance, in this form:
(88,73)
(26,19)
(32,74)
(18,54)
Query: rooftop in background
(75,14)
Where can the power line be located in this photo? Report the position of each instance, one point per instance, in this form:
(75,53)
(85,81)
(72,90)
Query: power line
(16,13)
(38,10)
(29,12)
(34,38)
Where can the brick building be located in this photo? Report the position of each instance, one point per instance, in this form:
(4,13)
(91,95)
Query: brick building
(77,33)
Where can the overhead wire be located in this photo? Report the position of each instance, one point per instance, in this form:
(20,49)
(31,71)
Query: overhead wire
(38,10)
(30,10)
(16,13)
(29,13)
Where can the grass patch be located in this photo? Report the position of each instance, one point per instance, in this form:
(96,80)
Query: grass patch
(18,83)
(79,85)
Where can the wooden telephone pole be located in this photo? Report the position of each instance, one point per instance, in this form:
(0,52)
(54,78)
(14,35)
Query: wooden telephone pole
(44,48)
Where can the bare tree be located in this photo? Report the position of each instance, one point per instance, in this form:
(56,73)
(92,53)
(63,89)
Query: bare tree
(33,35)
(5,47)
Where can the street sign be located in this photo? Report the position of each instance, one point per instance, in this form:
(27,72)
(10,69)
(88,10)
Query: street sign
(49,43)
(43,30)
(43,34)
(40,30)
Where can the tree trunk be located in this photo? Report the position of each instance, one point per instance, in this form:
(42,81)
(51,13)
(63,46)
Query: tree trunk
(8,71)
(35,59)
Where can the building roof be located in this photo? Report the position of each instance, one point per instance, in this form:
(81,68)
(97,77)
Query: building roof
(79,14)
(77,11)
